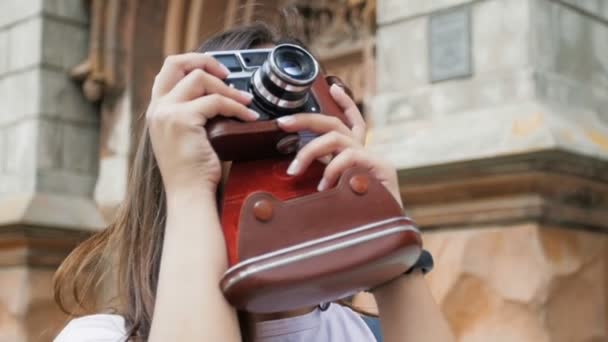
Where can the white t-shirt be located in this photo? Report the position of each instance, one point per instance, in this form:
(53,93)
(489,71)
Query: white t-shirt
(337,323)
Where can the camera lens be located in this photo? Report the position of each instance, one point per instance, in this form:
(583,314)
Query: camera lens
(295,63)
(281,85)
(292,68)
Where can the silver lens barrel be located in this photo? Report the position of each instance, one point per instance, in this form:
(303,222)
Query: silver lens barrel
(283,81)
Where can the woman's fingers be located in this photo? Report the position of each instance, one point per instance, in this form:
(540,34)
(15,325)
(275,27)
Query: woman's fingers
(198,83)
(195,113)
(348,158)
(209,106)
(317,123)
(178,66)
(353,115)
(327,144)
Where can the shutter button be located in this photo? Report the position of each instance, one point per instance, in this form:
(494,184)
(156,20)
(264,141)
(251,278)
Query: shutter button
(262,210)
(359,184)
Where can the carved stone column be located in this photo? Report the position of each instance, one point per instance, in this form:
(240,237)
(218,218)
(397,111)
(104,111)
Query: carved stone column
(496,113)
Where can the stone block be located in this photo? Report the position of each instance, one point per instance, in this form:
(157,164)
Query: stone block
(11,184)
(394,10)
(596,7)
(80,151)
(71,10)
(402,60)
(4,52)
(25,43)
(500,30)
(5,114)
(64,45)
(3,151)
(567,43)
(50,146)
(521,283)
(62,98)
(65,182)
(20,96)
(12,11)
(21,147)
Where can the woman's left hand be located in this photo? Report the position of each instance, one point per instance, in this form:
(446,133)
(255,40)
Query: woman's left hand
(344,145)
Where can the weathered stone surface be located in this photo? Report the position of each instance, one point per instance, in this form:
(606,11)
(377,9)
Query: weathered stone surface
(49,144)
(400,69)
(61,97)
(64,45)
(561,36)
(17,10)
(3,52)
(500,71)
(526,92)
(21,152)
(27,308)
(65,182)
(509,20)
(20,96)
(3,150)
(80,151)
(521,283)
(73,11)
(594,7)
(48,209)
(25,43)
(393,10)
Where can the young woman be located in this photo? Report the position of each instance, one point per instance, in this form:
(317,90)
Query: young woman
(165,253)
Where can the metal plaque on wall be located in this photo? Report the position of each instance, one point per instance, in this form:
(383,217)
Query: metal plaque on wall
(450,44)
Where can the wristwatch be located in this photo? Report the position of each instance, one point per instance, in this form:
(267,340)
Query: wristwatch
(424,263)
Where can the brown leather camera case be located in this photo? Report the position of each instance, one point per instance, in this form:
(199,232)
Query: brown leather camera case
(320,247)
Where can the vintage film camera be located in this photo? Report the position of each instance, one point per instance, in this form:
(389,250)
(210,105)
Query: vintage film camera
(290,246)
(284,80)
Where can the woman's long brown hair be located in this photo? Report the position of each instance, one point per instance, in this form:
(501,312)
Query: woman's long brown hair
(126,255)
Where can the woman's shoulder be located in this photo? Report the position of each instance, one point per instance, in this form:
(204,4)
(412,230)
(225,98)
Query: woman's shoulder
(100,327)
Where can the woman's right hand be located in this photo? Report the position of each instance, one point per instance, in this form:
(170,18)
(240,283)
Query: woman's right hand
(187,92)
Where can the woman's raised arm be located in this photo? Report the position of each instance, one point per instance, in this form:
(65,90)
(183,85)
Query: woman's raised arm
(189,305)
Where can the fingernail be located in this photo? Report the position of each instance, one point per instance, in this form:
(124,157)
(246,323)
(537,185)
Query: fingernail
(285,120)
(246,94)
(325,159)
(225,69)
(337,88)
(322,185)
(254,114)
(293,168)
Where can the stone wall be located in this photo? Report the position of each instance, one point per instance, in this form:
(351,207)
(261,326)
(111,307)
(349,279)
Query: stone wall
(539,82)
(48,159)
(504,168)
(522,282)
